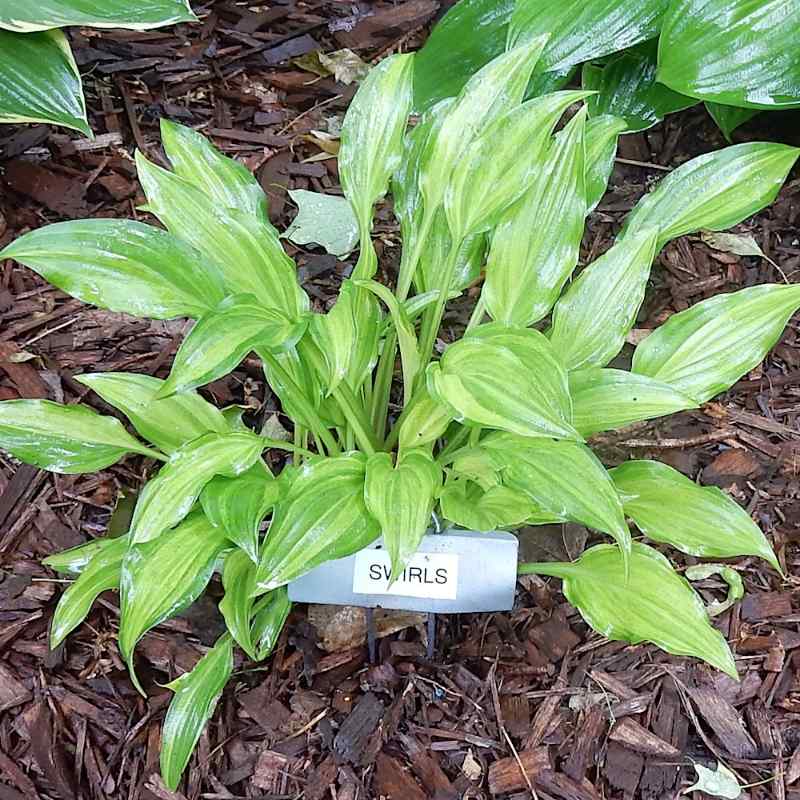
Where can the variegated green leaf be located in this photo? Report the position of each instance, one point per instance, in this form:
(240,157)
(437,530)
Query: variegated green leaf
(220,340)
(714,191)
(169,497)
(39,80)
(192,705)
(426,421)
(506,378)
(245,248)
(601,136)
(236,606)
(45,14)
(401,499)
(607,399)
(593,317)
(238,505)
(66,439)
(466,504)
(167,423)
(225,181)
(323,516)
(704,350)
(270,616)
(100,573)
(536,245)
(652,604)
(163,577)
(75,560)
(562,478)
(700,520)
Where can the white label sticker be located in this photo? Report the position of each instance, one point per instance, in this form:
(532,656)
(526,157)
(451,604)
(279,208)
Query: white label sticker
(429,575)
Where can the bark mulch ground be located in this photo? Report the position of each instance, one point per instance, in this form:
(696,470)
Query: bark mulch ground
(525,703)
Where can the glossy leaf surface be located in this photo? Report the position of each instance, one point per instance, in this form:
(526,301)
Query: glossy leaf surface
(66,439)
(654,604)
(467,504)
(401,499)
(506,378)
(39,80)
(75,560)
(601,136)
(168,498)
(425,422)
(700,520)
(323,516)
(591,320)
(194,701)
(714,191)
(167,423)
(163,577)
(743,53)
(729,118)
(236,606)
(704,350)
(607,399)
(270,615)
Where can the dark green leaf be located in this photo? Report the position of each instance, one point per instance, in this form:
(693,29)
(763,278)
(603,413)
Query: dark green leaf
(729,118)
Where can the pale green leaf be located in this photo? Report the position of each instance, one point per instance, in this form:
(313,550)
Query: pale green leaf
(427,419)
(238,505)
(536,245)
(236,606)
(100,573)
(736,243)
(713,191)
(75,560)
(225,181)
(323,219)
(466,504)
(607,399)
(220,340)
(245,248)
(699,520)
(704,350)
(652,604)
(168,498)
(719,782)
(591,320)
(700,572)
(196,695)
(270,615)
(506,378)
(323,516)
(39,80)
(66,439)
(601,136)
(401,499)
(163,577)
(168,423)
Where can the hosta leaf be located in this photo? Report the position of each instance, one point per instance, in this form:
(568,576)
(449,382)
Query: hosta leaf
(626,87)
(506,378)
(194,701)
(607,399)
(270,615)
(601,137)
(426,421)
(162,578)
(65,439)
(591,320)
(323,516)
(466,504)
(494,90)
(704,350)
(580,30)
(719,782)
(236,606)
(700,520)
(323,219)
(225,181)
(714,191)
(562,478)
(654,604)
(169,497)
(700,572)
(39,81)
(75,560)
(102,572)
(167,423)
(401,499)
(238,505)
(498,166)
(142,15)
(740,53)
(223,337)
(729,118)
(372,135)
(246,248)
(121,265)
(536,245)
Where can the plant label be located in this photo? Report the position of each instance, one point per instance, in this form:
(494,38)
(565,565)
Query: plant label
(452,572)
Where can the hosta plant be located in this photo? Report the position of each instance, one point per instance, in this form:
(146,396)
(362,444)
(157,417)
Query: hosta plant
(390,423)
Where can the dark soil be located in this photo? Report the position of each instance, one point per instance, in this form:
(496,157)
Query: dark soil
(527,702)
